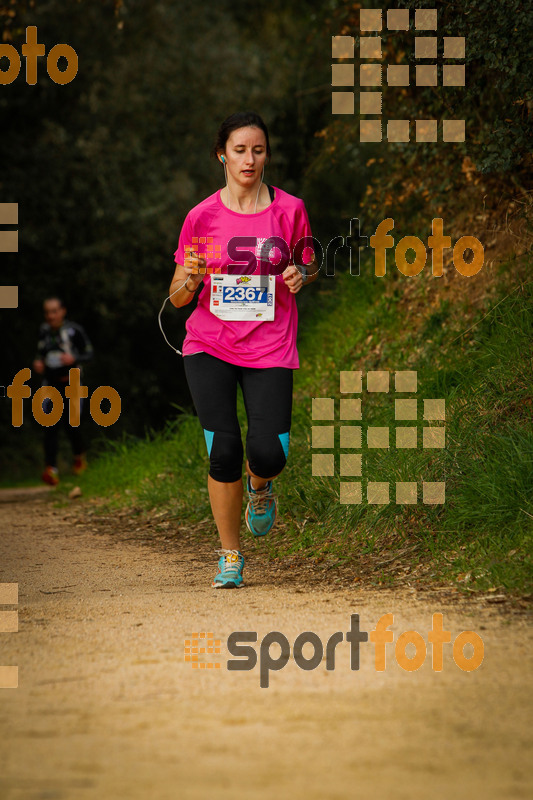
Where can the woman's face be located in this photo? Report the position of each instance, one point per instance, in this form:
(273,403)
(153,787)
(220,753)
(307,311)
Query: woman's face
(245,155)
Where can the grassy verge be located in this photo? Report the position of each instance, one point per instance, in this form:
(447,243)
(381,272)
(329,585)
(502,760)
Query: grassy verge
(477,360)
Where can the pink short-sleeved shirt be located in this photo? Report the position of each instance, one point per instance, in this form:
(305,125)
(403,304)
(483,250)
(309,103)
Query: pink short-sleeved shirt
(208,227)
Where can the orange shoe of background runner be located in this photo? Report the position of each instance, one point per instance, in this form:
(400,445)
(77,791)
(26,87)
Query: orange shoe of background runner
(51,476)
(80,465)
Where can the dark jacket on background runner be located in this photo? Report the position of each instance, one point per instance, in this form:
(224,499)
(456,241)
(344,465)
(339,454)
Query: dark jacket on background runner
(69,338)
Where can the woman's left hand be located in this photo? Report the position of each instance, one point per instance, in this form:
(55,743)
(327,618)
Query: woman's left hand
(293,278)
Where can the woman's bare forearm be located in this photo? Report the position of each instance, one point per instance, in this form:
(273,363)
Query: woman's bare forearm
(184,284)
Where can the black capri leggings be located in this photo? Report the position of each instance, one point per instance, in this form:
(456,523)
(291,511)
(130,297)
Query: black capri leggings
(267,394)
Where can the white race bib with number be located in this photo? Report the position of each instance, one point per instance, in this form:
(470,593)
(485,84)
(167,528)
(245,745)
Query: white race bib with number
(243,297)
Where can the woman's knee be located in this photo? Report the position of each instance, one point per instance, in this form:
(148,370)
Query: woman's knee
(225,455)
(267,453)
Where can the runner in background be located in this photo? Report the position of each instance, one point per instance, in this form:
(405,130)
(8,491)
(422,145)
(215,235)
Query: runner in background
(242,334)
(62,345)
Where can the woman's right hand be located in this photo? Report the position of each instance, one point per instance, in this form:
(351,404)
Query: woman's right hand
(192,271)
(195,266)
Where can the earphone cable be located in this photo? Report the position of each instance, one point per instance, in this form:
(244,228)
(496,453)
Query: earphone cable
(161,311)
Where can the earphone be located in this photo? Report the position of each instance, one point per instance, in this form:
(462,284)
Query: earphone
(226,177)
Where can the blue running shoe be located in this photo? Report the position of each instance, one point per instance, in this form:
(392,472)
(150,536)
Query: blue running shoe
(261,509)
(229,575)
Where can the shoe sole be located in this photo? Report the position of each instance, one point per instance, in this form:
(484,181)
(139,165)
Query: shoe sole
(227,585)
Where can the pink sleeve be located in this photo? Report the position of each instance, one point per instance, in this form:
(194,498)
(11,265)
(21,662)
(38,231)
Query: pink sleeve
(301,229)
(186,235)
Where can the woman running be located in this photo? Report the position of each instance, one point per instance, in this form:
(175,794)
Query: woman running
(243,329)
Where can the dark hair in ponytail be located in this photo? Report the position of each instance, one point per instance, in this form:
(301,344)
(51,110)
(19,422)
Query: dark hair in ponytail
(241,119)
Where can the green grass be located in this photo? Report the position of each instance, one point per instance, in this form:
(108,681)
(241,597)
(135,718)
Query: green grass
(479,362)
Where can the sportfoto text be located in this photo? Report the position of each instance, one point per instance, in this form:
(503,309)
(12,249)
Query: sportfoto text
(242,249)
(380,636)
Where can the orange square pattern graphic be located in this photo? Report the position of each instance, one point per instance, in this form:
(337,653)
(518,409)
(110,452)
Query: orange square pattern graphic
(373,24)
(9,623)
(205,247)
(352,437)
(202,644)
(9,243)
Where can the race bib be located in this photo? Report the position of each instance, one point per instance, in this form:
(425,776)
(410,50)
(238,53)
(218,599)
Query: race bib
(243,297)
(53,359)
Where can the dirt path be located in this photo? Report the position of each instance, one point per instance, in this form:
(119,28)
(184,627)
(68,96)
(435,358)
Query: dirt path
(108,708)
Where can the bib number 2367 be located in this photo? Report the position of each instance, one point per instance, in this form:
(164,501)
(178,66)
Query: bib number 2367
(243,297)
